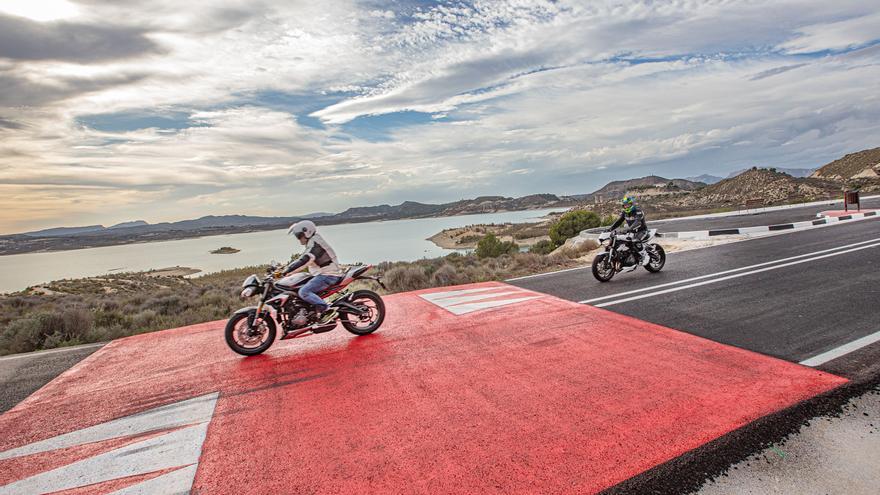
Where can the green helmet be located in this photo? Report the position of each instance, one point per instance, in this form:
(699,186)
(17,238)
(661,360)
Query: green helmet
(627,203)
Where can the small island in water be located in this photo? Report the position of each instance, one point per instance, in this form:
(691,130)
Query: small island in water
(225,250)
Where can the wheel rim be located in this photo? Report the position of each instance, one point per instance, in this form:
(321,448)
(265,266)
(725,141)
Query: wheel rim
(656,259)
(365,321)
(250,338)
(605,269)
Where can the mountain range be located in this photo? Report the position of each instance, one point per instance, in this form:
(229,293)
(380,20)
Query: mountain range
(860,169)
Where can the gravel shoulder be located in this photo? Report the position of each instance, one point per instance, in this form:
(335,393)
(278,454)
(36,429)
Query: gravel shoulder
(828,455)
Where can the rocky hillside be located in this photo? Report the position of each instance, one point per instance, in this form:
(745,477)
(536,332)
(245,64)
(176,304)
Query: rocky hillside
(651,185)
(768,185)
(855,166)
(482,204)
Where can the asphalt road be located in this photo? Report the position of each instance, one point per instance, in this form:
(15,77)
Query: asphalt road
(826,297)
(753,219)
(22,374)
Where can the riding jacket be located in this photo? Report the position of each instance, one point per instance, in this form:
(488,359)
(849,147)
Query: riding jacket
(319,258)
(635,220)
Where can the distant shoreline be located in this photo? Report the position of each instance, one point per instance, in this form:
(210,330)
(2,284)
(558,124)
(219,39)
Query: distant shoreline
(21,244)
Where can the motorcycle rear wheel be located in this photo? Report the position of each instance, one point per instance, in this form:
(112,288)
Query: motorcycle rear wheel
(602,271)
(232,331)
(371,322)
(656,264)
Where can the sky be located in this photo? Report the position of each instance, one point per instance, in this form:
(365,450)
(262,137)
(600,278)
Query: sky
(118,110)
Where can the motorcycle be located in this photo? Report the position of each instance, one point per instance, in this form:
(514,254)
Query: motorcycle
(620,254)
(252,330)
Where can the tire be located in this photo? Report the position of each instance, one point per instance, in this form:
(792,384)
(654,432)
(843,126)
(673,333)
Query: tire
(249,351)
(597,261)
(655,266)
(353,324)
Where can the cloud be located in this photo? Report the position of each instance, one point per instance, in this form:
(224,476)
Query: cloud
(23,39)
(849,33)
(269,108)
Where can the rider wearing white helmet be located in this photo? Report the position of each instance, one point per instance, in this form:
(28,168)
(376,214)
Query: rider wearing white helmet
(321,261)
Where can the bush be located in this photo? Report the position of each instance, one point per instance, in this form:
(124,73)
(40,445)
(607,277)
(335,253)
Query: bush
(542,247)
(404,278)
(571,224)
(608,220)
(446,275)
(492,247)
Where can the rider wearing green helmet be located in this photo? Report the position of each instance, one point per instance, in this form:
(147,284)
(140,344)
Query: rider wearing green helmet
(635,223)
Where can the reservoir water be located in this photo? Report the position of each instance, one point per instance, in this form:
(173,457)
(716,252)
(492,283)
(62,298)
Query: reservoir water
(397,240)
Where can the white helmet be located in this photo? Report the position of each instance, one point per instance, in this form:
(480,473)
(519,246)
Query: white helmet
(304,229)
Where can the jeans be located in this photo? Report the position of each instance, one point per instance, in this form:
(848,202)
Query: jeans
(320,282)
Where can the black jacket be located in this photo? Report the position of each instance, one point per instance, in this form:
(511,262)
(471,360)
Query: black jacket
(635,220)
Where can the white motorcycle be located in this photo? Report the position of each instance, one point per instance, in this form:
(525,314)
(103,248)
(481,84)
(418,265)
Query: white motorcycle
(620,254)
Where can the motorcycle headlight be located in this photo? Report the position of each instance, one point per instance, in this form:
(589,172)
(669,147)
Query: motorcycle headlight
(248,291)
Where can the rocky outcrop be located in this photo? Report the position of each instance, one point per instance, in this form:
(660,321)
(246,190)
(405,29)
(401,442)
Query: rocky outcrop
(767,185)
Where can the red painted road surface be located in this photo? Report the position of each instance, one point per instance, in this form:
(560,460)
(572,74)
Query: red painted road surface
(540,395)
(841,213)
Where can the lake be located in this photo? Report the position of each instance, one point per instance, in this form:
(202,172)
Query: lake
(396,240)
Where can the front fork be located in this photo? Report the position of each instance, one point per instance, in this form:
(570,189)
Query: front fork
(253,316)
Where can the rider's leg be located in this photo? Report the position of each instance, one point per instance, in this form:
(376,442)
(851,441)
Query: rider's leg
(644,259)
(308,292)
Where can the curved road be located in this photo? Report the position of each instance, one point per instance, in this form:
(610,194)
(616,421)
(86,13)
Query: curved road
(793,296)
(774,217)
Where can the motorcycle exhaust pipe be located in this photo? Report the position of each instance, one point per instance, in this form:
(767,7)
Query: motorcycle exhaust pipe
(296,333)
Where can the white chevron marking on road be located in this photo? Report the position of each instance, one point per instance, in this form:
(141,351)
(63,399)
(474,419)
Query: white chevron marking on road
(459,302)
(179,448)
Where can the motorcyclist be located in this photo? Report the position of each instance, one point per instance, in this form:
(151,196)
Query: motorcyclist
(635,223)
(320,259)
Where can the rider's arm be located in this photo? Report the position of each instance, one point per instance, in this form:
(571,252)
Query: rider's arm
(298,264)
(617,222)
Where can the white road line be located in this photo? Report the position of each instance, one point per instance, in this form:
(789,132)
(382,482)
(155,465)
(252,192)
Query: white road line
(729,277)
(51,351)
(725,272)
(842,350)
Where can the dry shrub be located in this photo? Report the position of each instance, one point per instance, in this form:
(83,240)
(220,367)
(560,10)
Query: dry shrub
(405,278)
(446,275)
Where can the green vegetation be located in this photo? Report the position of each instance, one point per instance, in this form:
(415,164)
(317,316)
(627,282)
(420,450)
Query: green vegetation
(608,220)
(542,247)
(225,250)
(571,224)
(98,309)
(492,247)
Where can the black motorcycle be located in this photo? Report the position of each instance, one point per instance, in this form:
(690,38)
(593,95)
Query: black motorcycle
(252,330)
(620,255)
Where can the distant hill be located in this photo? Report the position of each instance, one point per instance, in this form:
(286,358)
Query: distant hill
(125,225)
(64,231)
(794,172)
(482,204)
(769,185)
(644,185)
(231,223)
(855,166)
(705,179)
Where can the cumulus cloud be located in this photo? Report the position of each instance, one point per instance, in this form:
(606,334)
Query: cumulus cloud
(299,104)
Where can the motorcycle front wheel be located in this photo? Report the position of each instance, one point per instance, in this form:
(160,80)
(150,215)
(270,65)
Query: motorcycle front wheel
(247,340)
(658,259)
(603,270)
